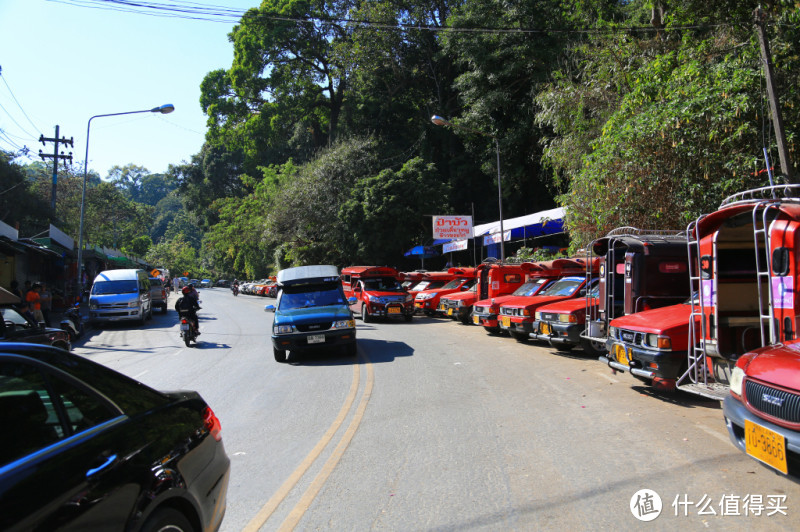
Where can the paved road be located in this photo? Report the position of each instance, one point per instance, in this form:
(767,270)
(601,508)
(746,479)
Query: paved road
(439,426)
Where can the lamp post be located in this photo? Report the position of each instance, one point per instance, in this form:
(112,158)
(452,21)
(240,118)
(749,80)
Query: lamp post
(164,109)
(439,121)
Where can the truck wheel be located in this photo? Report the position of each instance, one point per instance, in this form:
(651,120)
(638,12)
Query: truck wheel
(519,337)
(365,317)
(592,348)
(563,348)
(408,317)
(465,320)
(280,354)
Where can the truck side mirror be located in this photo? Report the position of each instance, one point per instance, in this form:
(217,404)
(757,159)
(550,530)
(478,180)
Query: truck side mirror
(269,308)
(352,301)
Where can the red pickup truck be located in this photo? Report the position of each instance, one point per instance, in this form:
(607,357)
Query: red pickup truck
(378,292)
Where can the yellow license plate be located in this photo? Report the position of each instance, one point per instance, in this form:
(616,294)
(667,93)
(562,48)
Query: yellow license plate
(621,355)
(506,321)
(544,328)
(441,306)
(449,312)
(766,445)
(476,320)
(394,310)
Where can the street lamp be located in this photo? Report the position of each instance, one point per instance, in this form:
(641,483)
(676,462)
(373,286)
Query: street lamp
(439,121)
(164,109)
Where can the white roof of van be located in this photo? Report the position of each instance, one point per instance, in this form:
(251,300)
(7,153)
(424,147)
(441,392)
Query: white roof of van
(117,275)
(299,273)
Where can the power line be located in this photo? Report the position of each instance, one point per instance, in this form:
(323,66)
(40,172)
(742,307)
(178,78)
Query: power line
(213,13)
(18,104)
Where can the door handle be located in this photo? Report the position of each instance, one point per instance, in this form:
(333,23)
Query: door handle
(108,461)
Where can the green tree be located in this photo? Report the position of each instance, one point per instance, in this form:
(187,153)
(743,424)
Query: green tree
(389,213)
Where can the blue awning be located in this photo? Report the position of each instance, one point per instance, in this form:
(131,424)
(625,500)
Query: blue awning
(422,252)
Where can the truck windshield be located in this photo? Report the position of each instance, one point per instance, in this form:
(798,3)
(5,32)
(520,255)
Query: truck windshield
(455,283)
(310,296)
(563,287)
(383,284)
(115,287)
(529,288)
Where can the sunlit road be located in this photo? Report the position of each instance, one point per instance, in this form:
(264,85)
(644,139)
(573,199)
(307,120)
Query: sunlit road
(439,426)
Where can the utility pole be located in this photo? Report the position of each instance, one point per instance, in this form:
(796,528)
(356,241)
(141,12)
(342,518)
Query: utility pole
(56,156)
(772,94)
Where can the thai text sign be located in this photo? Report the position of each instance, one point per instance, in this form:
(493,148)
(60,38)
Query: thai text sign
(456,245)
(452,227)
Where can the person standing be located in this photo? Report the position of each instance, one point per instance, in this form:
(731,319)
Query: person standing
(46,301)
(176,284)
(33,297)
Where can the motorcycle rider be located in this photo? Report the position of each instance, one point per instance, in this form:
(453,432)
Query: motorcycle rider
(188,305)
(235,286)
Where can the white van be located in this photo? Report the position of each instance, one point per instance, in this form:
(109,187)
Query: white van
(119,295)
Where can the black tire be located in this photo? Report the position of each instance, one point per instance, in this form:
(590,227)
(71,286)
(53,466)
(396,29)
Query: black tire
(465,320)
(351,350)
(365,317)
(280,354)
(519,337)
(164,308)
(590,348)
(187,340)
(167,520)
(150,312)
(408,317)
(564,348)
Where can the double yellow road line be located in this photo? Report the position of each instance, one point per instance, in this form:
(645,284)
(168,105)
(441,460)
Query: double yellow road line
(316,485)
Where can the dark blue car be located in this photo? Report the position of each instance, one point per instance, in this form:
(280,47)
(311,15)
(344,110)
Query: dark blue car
(311,312)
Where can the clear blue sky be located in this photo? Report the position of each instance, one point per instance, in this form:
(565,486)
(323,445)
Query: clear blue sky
(65,63)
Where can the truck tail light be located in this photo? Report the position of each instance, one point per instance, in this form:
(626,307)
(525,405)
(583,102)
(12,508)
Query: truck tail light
(212,424)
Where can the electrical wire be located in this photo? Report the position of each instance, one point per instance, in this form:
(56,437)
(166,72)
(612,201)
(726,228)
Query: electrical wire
(214,13)
(18,105)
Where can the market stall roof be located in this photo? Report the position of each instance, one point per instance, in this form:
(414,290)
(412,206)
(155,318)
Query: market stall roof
(540,223)
(422,252)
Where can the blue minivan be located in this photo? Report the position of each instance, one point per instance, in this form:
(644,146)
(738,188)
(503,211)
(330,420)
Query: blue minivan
(311,312)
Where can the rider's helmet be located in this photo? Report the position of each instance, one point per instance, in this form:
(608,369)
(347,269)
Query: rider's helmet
(186,290)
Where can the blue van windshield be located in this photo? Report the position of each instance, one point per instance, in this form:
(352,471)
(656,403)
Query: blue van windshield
(115,287)
(311,296)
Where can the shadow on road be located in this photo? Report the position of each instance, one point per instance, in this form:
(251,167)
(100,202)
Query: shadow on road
(375,351)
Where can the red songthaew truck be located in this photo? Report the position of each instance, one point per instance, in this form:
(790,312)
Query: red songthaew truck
(493,279)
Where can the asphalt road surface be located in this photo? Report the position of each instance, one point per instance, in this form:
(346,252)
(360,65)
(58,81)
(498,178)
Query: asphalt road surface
(438,426)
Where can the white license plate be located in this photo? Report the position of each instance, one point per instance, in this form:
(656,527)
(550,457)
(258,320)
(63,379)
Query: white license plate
(184,326)
(316,339)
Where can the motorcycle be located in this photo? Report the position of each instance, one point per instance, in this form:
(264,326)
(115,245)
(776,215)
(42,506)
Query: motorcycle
(72,322)
(235,290)
(188,331)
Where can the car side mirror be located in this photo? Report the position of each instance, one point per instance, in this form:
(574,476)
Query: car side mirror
(269,308)
(352,301)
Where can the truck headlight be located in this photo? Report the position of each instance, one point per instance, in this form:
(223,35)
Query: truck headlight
(737,377)
(283,329)
(659,341)
(344,324)
(133,304)
(567,318)
(537,316)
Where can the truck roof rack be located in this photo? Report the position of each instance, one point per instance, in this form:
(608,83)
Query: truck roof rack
(308,274)
(774,193)
(635,231)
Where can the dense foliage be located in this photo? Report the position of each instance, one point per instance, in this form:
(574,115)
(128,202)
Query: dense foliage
(320,147)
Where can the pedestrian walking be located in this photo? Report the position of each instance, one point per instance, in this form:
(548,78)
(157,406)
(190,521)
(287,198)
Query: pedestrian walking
(34,299)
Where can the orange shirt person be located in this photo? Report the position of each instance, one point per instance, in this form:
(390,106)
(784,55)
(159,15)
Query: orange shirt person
(34,300)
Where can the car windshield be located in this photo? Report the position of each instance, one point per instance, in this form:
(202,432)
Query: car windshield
(529,288)
(12,316)
(155,281)
(115,287)
(310,296)
(383,284)
(422,285)
(563,287)
(455,283)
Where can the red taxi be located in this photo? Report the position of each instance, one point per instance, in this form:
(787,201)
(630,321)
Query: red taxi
(517,315)
(493,280)
(427,300)
(378,292)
